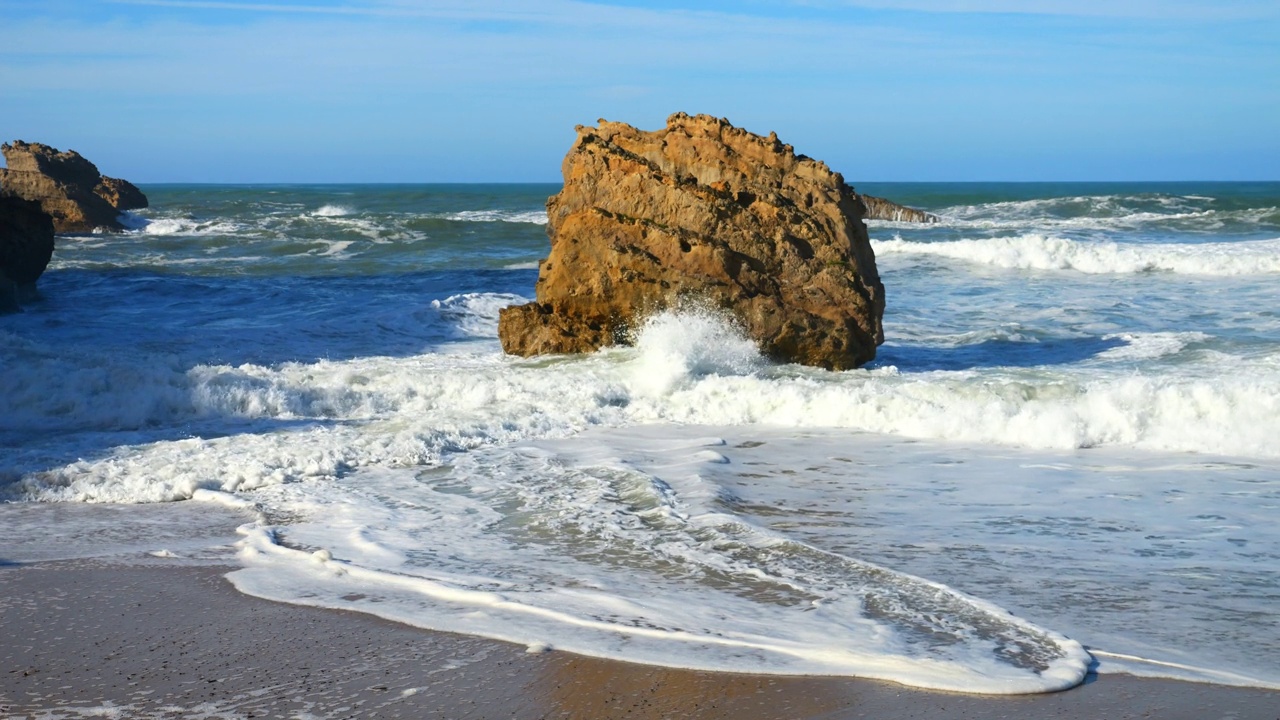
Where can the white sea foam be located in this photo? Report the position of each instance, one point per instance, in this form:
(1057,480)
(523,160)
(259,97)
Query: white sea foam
(675,349)
(153,259)
(1023,528)
(611,558)
(379,231)
(327,418)
(1103,208)
(329,211)
(1148,346)
(337,248)
(1205,220)
(184,226)
(537,217)
(1040,252)
(1103,213)
(475,314)
(50,388)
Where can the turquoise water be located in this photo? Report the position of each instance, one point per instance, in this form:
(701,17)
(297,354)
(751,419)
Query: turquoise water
(1073,418)
(330,229)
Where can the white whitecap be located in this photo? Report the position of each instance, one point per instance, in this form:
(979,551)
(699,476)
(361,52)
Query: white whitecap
(536,217)
(1148,346)
(475,314)
(182,226)
(1034,251)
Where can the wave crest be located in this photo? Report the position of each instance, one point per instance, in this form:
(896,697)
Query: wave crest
(1034,251)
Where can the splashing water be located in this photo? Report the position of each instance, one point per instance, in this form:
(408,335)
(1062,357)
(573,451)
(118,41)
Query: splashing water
(678,346)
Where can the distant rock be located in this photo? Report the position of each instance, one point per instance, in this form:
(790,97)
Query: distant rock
(26,246)
(881,209)
(67,186)
(703,211)
(121,194)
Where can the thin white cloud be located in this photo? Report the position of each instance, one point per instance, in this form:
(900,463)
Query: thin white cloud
(251,7)
(438,10)
(546,11)
(555,15)
(596,12)
(1151,9)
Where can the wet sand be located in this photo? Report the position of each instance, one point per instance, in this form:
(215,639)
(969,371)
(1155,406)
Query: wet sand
(100,639)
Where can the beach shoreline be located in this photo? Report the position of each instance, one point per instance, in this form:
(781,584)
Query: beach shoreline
(102,638)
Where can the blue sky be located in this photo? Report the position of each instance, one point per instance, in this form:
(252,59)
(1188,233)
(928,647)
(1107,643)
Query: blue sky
(490,90)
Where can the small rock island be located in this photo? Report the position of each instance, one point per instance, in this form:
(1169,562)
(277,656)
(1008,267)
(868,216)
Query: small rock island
(706,212)
(68,187)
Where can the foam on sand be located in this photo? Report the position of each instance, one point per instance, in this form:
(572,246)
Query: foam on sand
(599,557)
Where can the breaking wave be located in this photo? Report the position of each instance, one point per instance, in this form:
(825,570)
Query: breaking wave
(687,369)
(536,217)
(1194,213)
(1035,251)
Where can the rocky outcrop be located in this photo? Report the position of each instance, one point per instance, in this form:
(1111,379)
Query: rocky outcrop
(881,209)
(703,211)
(67,186)
(121,194)
(26,245)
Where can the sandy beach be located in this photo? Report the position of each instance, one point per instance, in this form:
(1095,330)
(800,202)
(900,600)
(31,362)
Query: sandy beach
(94,638)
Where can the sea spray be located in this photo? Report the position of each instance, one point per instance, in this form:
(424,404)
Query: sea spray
(677,347)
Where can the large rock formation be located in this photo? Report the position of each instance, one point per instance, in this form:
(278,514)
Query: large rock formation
(67,186)
(881,209)
(26,245)
(703,211)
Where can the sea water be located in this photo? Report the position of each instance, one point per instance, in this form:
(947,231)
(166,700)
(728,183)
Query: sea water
(1063,459)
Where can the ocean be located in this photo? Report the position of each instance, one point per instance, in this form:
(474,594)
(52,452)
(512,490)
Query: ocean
(1065,458)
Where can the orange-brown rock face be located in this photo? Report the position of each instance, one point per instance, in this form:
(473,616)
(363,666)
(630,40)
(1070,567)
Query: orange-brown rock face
(67,186)
(706,212)
(120,194)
